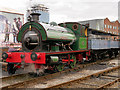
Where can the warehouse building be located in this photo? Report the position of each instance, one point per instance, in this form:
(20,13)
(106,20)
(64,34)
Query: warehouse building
(104,25)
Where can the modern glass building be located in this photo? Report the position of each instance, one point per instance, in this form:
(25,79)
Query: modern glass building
(41,9)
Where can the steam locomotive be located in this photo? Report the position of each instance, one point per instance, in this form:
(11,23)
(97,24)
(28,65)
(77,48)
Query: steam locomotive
(55,47)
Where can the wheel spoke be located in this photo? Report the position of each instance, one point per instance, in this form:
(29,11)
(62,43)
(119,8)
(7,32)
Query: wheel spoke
(60,67)
(72,64)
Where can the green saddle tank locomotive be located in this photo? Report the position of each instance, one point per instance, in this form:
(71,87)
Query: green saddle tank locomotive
(48,46)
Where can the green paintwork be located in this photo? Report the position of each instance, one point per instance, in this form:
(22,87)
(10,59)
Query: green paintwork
(55,48)
(81,41)
(48,32)
(80,44)
(60,67)
(81,29)
(33,56)
(58,33)
(33,25)
(73,64)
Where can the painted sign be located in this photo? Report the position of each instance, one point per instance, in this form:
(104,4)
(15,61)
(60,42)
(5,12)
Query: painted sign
(10,24)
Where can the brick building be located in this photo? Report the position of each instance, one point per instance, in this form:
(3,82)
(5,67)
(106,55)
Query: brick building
(111,27)
(104,25)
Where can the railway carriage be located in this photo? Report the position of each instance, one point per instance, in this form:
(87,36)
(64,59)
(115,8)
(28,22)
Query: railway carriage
(54,47)
(101,44)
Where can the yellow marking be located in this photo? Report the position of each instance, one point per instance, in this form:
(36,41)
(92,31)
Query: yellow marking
(30,27)
(86,32)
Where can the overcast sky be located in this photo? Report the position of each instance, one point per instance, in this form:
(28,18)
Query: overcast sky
(70,10)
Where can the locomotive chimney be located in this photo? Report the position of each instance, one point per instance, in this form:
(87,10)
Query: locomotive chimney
(35,17)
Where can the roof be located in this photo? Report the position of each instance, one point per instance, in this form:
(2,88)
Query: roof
(99,31)
(91,20)
(9,10)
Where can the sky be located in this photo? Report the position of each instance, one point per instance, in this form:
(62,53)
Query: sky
(70,10)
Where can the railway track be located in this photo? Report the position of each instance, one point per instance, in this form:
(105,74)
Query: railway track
(25,81)
(4,66)
(98,80)
(6,81)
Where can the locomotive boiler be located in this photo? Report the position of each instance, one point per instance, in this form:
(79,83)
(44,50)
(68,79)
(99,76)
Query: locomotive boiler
(40,37)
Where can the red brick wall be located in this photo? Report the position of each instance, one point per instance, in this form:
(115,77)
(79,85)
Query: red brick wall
(111,27)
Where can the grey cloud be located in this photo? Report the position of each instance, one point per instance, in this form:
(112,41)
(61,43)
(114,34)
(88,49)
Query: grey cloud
(85,10)
(72,10)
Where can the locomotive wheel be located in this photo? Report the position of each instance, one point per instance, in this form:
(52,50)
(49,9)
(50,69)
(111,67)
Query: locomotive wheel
(89,58)
(60,67)
(94,57)
(10,69)
(110,53)
(116,53)
(72,64)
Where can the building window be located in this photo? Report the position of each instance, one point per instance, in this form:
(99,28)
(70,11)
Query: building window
(115,27)
(118,28)
(108,26)
(105,26)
